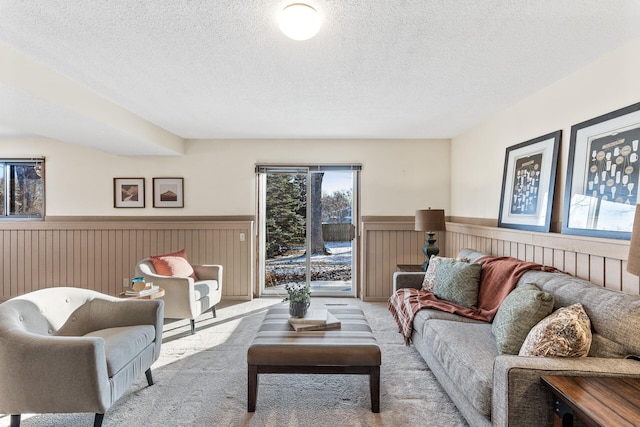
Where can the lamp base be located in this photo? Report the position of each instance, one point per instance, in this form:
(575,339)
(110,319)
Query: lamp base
(429,249)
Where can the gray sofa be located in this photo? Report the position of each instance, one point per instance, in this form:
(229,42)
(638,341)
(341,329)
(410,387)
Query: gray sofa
(491,389)
(74,350)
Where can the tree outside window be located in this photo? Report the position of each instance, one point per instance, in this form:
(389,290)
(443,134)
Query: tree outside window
(21,189)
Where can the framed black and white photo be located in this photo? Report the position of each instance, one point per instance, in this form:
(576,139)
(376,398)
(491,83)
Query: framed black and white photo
(128,192)
(603,175)
(168,193)
(528,183)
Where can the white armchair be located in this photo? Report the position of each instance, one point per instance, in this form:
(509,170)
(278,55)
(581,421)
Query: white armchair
(185,297)
(66,350)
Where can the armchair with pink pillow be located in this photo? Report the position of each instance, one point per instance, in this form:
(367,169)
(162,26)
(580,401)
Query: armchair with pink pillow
(190,290)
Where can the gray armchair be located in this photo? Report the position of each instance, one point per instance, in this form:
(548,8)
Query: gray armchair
(185,297)
(66,350)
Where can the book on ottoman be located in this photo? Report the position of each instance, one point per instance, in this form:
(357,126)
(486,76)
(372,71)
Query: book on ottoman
(322,321)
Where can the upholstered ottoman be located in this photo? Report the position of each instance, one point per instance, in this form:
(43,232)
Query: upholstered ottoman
(351,349)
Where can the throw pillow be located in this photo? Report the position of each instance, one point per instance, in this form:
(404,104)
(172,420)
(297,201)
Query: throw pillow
(564,333)
(458,282)
(174,264)
(430,275)
(520,311)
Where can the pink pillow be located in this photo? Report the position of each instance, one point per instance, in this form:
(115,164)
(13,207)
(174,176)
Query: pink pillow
(175,264)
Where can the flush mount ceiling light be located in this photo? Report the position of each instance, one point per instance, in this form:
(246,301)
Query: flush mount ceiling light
(299,21)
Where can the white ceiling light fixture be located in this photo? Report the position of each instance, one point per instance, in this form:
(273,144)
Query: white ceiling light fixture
(299,21)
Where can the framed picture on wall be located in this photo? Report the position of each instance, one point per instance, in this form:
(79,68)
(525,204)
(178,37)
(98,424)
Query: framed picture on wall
(603,175)
(168,192)
(128,192)
(528,183)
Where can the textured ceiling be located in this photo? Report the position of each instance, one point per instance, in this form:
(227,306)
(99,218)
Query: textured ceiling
(377,68)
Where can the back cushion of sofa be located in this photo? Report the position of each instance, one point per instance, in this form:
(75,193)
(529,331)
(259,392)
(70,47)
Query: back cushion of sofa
(614,315)
(24,315)
(471,254)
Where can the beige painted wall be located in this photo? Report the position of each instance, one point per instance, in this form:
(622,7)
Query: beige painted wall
(477,156)
(398,176)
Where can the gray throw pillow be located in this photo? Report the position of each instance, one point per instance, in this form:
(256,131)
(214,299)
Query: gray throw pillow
(458,282)
(520,311)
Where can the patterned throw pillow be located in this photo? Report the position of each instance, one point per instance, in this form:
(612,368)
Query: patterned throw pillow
(458,282)
(430,275)
(564,333)
(520,311)
(174,264)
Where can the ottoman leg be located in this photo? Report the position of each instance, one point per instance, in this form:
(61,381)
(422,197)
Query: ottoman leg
(374,387)
(252,387)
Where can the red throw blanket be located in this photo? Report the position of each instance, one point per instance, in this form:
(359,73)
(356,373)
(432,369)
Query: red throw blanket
(499,277)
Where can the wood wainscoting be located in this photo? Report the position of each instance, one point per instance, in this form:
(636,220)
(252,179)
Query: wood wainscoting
(387,243)
(101,253)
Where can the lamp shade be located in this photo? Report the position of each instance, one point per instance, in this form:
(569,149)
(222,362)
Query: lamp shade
(430,220)
(633,263)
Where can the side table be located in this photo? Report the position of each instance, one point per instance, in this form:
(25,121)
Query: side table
(596,401)
(410,268)
(157,294)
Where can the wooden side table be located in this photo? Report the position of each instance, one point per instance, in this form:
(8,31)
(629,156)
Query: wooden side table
(157,294)
(410,268)
(596,401)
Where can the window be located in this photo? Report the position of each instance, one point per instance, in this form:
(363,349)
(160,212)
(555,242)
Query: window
(22,188)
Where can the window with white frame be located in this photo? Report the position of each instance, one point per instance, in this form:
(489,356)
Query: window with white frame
(21,188)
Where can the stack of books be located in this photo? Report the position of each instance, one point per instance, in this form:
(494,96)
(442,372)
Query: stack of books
(315,320)
(146,291)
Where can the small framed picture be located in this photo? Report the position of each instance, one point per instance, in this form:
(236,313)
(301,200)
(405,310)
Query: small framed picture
(128,192)
(168,192)
(603,176)
(528,183)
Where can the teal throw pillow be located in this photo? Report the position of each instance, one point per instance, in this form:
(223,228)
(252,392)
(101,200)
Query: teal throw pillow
(520,311)
(458,282)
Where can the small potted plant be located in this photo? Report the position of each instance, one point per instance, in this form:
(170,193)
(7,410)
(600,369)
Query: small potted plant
(299,298)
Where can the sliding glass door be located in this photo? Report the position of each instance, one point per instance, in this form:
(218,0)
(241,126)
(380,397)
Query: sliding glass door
(307,224)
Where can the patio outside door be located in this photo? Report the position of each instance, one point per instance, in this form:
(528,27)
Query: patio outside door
(307,218)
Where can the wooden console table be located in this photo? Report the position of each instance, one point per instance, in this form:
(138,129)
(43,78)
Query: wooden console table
(596,401)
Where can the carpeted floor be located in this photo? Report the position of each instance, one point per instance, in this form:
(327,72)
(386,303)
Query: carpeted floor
(201,380)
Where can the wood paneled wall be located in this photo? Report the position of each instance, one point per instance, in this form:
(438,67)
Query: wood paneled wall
(100,254)
(387,244)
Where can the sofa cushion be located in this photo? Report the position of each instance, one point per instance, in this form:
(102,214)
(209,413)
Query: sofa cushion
(426,314)
(520,311)
(564,333)
(123,344)
(174,264)
(466,351)
(458,282)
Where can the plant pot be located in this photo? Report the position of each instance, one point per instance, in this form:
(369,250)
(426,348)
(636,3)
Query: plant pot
(298,309)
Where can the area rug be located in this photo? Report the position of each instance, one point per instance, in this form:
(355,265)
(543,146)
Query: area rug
(201,380)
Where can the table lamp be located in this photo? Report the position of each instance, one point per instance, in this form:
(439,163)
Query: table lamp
(431,220)
(633,260)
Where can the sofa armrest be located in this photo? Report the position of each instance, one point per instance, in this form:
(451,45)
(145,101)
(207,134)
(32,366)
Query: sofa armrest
(38,373)
(402,279)
(209,272)
(519,395)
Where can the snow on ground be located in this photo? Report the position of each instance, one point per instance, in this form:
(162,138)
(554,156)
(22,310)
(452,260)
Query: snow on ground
(340,254)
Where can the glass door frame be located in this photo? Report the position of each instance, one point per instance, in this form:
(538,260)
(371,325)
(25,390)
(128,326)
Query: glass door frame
(261,193)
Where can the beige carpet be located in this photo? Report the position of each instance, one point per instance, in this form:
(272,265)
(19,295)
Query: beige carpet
(201,380)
